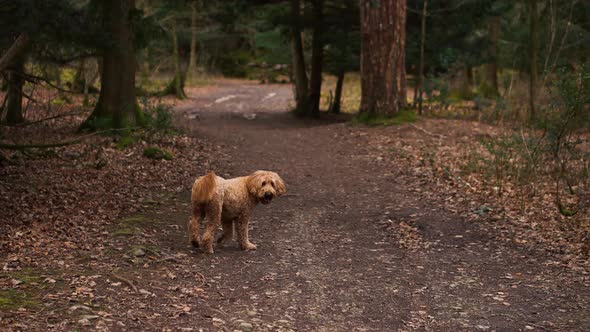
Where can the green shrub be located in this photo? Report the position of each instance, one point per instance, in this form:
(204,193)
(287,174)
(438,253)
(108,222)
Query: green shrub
(153,152)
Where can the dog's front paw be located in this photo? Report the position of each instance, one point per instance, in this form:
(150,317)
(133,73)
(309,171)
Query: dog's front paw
(248,246)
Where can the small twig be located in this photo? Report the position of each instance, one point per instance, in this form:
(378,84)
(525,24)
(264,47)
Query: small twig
(427,132)
(125,280)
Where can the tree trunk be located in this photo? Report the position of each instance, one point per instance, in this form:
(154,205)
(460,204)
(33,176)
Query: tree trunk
(494,26)
(317,59)
(338,93)
(192,62)
(178,83)
(383,72)
(117,106)
(420,77)
(533,47)
(298,59)
(467,81)
(14,104)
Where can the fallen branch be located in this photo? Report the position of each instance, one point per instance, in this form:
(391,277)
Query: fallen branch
(125,280)
(59,144)
(50,118)
(427,132)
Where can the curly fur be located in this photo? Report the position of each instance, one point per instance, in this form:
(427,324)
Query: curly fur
(229,202)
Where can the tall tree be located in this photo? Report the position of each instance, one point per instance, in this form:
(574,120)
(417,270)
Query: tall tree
(192,62)
(298,60)
(176,85)
(533,51)
(383,73)
(494,25)
(117,106)
(317,59)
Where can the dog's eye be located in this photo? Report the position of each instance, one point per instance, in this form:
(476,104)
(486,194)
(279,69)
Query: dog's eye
(272,184)
(263,183)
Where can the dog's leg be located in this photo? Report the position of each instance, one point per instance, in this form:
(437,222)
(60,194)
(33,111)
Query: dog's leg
(228,231)
(194,224)
(242,230)
(213,212)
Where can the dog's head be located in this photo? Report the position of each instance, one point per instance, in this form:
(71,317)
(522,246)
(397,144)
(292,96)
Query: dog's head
(265,186)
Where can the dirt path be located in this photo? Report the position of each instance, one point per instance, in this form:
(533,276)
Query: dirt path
(327,261)
(350,248)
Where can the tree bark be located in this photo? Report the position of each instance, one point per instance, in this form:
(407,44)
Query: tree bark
(383,72)
(494,26)
(338,93)
(317,59)
(420,77)
(14,103)
(117,106)
(298,59)
(192,62)
(533,48)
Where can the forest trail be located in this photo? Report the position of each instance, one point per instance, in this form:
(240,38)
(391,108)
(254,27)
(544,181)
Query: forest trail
(351,247)
(327,258)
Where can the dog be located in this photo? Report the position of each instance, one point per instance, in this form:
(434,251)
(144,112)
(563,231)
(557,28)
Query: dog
(229,202)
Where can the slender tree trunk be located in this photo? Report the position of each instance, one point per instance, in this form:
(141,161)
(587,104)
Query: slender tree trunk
(317,59)
(338,93)
(178,80)
(14,104)
(467,81)
(192,62)
(420,77)
(176,85)
(533,49)
(298,59)
(383,41)
(494,26)
(117,106)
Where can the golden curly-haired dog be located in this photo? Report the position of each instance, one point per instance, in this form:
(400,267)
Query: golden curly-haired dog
(229,202)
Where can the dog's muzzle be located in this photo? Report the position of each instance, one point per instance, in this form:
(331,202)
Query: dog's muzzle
(267,198)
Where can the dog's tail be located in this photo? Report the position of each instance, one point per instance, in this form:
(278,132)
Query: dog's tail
(204,188)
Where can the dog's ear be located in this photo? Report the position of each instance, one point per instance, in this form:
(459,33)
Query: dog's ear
(279,185)
(253,182)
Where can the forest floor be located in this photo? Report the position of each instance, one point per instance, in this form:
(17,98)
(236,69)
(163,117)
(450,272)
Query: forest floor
(361,242)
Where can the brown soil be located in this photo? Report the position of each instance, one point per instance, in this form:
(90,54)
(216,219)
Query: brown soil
(352,247)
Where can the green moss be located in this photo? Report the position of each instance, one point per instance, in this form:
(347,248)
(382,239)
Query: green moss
(11,299)
(401,117)
(125,142)
(129,226)
(157,153)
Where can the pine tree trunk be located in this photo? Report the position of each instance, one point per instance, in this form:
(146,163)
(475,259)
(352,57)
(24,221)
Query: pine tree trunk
(338,93)
(317,59)
(298,60)
(383,72)
(533,47)
(494,26)
(117,106)
(79,76)
(192,62)
(14,103)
